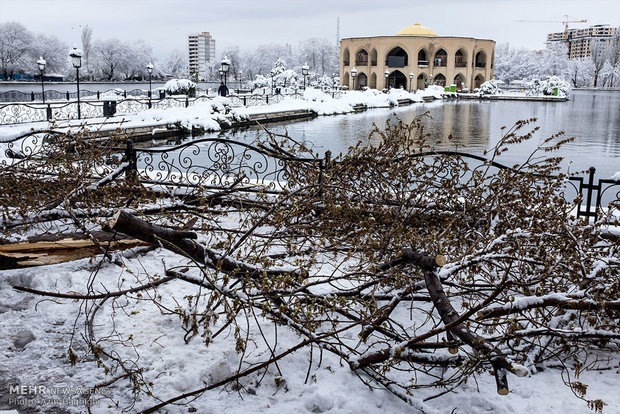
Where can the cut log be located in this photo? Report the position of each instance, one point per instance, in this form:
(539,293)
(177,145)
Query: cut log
(60,248)
(179,241)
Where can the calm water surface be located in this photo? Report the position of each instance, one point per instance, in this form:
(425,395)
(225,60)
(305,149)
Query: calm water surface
(592,118)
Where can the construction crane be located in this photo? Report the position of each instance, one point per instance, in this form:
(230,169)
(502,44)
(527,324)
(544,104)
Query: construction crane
(565,22)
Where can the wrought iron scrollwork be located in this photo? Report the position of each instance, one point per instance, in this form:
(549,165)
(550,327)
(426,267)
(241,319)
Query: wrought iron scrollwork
(218,163)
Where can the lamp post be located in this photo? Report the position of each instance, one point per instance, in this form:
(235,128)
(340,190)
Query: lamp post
(386,73)
(224,66)
(353,74)
(304,71)
(221,72)
(410,81)
(76,59)
(41,62)
(149,69)
(240,79)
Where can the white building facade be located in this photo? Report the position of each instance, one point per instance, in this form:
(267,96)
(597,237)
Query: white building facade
(201,53)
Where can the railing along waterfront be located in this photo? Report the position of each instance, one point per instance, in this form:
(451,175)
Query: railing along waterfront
(17,113)
(219,163)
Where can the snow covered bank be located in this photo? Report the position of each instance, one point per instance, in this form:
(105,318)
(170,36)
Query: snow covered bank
(219,112)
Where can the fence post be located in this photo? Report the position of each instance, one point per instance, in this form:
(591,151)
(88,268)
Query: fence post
(244,102)
(130,156)
(98,95)
(590,187)
(31,96)
(67,95)
(323,164)
(49,112)
(186,101)
(267,102)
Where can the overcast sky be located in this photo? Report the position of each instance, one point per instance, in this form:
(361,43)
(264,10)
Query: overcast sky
(165,24)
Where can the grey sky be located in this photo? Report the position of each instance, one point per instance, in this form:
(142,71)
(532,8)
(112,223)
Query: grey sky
(165,24)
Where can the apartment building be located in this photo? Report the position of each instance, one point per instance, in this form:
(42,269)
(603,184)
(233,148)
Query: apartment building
(201,52)
(578,41)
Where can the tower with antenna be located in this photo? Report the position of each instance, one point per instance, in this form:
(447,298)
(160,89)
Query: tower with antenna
(337,33)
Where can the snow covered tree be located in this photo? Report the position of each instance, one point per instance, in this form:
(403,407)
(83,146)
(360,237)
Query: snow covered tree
(175,64)
(15,48)
(580,72)
(320,55)
(554,60)
(53,50)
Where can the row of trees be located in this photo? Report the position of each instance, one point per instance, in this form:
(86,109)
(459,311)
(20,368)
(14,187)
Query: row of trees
(112,59)
(601,69)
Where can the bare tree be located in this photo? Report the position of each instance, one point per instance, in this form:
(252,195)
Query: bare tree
(598,54)
(87,46)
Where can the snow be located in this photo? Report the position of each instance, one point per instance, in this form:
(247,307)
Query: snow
(616,176)
(34,346)
(175,367)
(209,116)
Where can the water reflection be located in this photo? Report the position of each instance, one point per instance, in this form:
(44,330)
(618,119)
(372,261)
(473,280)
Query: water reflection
(592,118)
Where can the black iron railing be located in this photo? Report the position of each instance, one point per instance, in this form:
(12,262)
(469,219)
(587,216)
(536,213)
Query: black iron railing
(218,163)
(17,113)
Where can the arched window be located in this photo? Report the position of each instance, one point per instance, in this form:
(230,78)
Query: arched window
(441,58)
(422,81)
(459,81)
(440,80)
(479,80)
(460,61)
(345,57)
(373,81)
(361,58)
(397,79)
(362,80)
(397,58)
(422,58)
(481,60)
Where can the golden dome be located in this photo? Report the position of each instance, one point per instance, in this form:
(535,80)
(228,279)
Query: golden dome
(417,30)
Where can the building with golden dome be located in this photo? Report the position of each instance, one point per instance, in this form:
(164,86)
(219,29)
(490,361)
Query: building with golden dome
(415,57)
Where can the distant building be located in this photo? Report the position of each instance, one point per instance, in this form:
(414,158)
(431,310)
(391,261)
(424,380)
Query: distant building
(201,52)
(415,57)
(578,41)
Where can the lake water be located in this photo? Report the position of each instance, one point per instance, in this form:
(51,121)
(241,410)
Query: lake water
(592,118)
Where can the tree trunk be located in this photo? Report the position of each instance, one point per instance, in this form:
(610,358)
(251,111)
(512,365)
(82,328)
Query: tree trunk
(178,241)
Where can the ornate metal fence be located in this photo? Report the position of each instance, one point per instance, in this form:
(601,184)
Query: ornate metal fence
(589,196)
(16,113)
(218,163)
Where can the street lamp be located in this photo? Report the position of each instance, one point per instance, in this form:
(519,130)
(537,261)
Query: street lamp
(76,59)
(240,79)
(386,73)
(410,81)
(41,62)
(304,71)
(353,74)
(149,69)
(224,66)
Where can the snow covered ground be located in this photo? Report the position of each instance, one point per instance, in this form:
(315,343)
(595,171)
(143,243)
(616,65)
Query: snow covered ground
(210,115)
(37,335)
